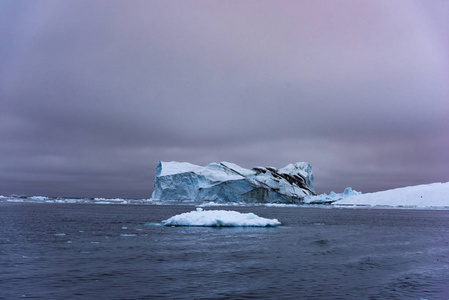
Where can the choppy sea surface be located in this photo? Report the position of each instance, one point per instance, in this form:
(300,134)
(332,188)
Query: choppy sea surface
(85,251)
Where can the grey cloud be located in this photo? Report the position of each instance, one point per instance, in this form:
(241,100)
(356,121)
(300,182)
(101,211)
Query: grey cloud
(93,95)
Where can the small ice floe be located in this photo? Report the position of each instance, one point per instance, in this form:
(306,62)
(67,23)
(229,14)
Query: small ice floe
(128,234)
(280,205)
(39,198)
(59,234)
(111,201)
(211,203)
(219,218)
(153,224)
(15,200)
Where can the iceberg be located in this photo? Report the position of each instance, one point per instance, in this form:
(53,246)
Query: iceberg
(219,218)
(228,182)
(39,198)
(332,197)
(425,195)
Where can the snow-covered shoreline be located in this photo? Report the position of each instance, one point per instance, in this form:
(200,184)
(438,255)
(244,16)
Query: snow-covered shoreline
(426,196)
(422,196)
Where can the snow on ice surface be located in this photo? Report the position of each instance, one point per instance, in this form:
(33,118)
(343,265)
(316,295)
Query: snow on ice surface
(426,195)
(240,170)
(214,171)
(298,167)
(219,218)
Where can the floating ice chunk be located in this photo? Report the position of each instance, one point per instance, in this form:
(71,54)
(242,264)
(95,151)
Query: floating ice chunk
(111,201)
(211,203)
(219,218)
(332,197)
(280,205)
(15,200)
(40,198)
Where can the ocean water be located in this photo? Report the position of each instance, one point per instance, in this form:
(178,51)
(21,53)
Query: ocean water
(85,251)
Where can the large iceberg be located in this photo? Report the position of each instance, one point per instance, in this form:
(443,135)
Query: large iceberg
(227,182)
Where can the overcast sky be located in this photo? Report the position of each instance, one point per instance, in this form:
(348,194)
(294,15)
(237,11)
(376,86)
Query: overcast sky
(94,93)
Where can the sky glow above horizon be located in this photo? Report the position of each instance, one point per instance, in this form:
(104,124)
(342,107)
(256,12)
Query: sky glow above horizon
(94,93)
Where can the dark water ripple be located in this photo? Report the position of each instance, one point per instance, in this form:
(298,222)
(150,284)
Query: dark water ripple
(77,251)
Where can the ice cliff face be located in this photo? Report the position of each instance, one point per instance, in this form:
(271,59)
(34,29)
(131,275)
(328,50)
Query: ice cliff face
(227,182)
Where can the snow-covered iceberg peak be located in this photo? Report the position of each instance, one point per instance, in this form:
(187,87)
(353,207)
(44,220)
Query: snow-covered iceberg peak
(228,182)
(219,218)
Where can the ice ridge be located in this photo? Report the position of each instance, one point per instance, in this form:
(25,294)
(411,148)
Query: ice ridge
(228,182)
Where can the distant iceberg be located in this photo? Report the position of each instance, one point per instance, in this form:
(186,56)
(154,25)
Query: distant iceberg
(39,198)
(219,218)
(332,197)
(228,182)
(426,195)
